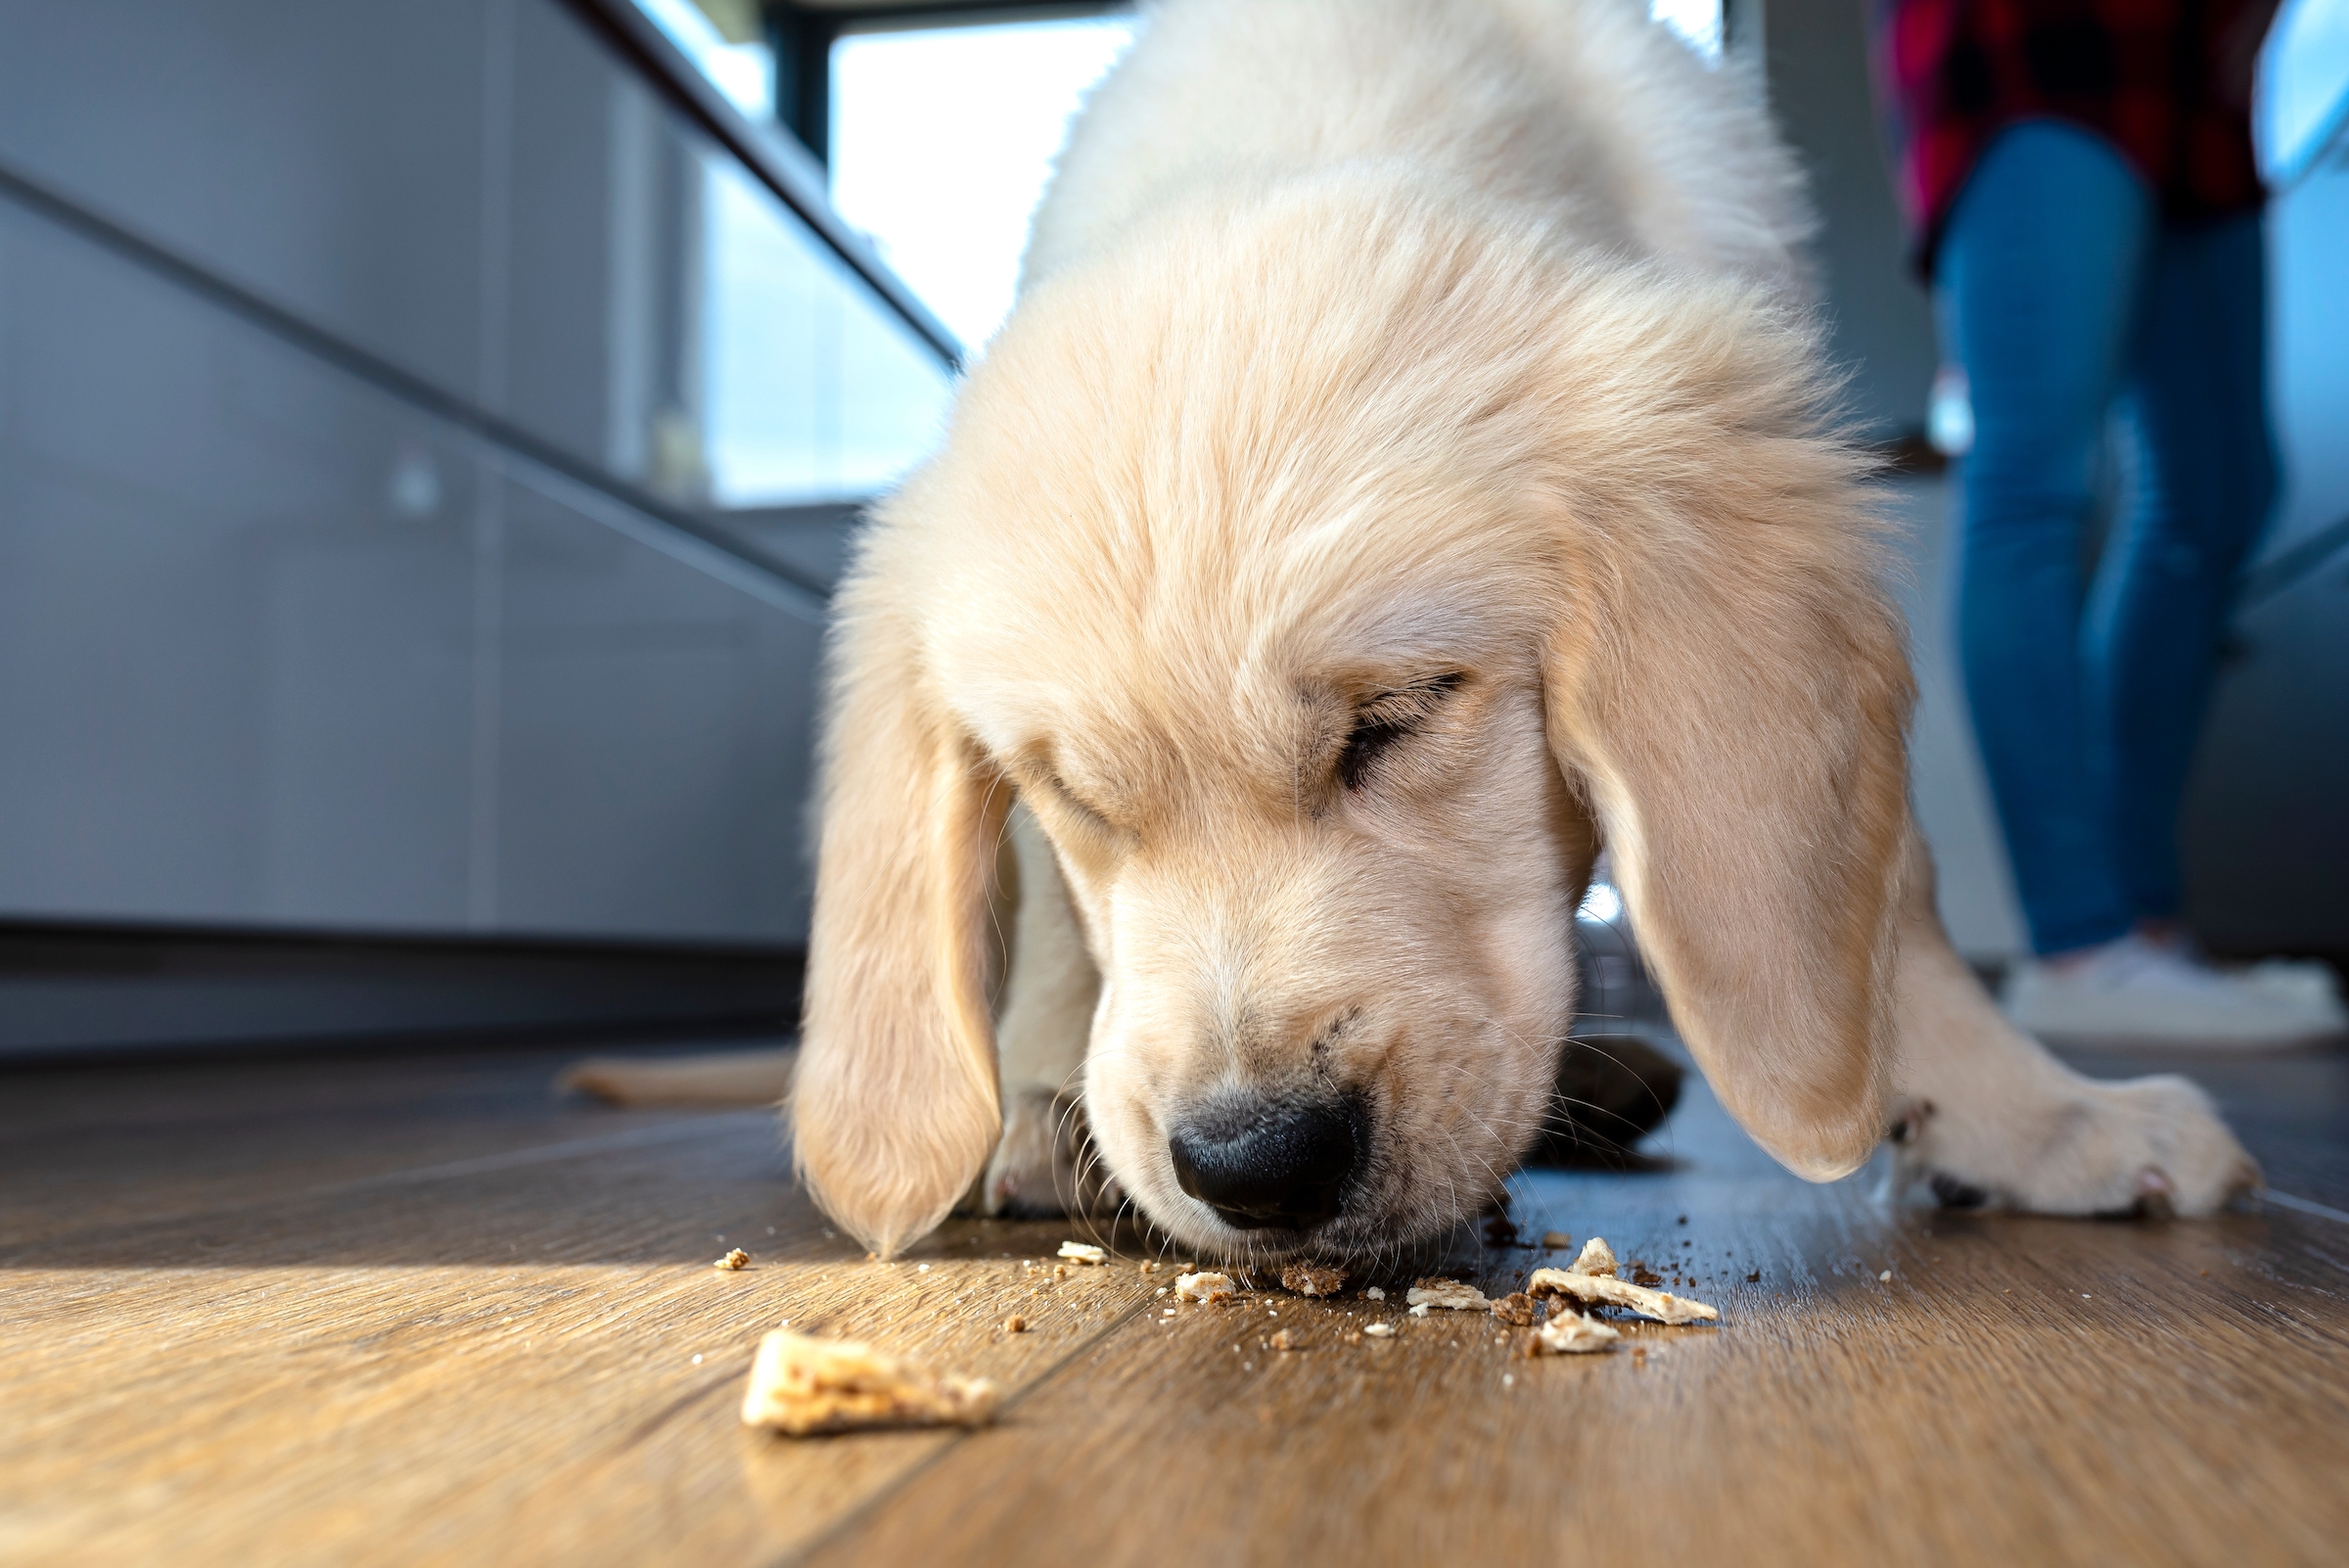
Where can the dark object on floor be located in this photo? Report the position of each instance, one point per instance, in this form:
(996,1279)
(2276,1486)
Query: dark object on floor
(1612,1091)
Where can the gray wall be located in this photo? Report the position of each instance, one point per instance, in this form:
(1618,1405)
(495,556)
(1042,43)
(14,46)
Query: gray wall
(349,567)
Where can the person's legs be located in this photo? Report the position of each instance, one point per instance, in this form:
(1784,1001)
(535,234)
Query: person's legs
(2205,480)
(2039,268)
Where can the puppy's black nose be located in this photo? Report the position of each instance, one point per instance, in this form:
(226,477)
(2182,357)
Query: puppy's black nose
(1262,1164)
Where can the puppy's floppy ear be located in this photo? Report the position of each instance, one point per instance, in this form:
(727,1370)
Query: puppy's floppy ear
(1729,683)
(895,1108)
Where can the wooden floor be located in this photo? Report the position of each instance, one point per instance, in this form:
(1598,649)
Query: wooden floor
(399,1311)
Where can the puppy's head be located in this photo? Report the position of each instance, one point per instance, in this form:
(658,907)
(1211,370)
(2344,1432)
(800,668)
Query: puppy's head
(1328,573)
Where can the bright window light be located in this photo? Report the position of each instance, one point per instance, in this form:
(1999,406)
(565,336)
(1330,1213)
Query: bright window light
(1697,22)
(744,72)
(942,140)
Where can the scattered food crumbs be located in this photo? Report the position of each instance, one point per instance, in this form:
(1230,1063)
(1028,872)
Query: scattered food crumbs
(1556,1240)
(1168,1313)
(1642,1274)
(1516,1308)
(697,1361)
(1886,1274)
(1375,1294)
(1204,1288)
(1083,1252)
(1590,1280)
(1060,1270)
(1682,1221)
(1754,1278)
(1313,1279)
(1149,1265)
(1160,1291)
(1419,1310)
(1379,1330)
(800,1385)
(1447,1293)
(1289,1340)
(1015,1324)
(1509,1380)
(921,1268)
(737,1258)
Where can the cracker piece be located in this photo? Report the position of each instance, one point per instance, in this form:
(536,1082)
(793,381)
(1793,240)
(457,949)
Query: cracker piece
(1450,1293)
(1573,1334)
(1516,1308)
(1598,1257)
(1556,1240)
(1204,1288)
(1375,1293)
(736,1259)
(1313,1279)
(801,1385)
(1083,1252)
(1379,1330)
(1605,1290)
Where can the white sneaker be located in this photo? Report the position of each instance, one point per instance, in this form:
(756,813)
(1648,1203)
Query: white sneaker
(2134,990)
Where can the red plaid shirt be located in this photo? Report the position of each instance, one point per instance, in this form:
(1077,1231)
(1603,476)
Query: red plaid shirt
(2168,82)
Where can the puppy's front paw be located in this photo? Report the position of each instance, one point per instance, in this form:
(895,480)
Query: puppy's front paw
(1046,1163)
(2152,1146)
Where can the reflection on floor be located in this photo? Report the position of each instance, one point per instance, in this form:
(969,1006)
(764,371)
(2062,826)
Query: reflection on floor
(380,1309)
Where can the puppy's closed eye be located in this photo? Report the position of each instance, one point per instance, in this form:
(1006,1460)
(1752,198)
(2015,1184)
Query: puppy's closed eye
(1388,718)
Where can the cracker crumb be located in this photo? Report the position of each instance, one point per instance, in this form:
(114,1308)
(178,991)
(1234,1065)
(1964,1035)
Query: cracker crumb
(1015,1324)
(1516,1308)
(1886,1274)
(1313,1279)
(1556,1240)
(1289,1340)
(1083,1252)
(1379,1330)
(736,1259)
(1421,1311)
(801,1385)
(1447,1293)
(1572,1334)
(1375,1294)
(1591,1281)
(1204,1288)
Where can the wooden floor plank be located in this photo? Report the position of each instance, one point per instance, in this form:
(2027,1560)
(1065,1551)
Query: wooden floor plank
(431,1314)
(2018,1390)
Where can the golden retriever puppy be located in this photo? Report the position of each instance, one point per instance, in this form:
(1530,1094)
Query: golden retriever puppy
(1405,471)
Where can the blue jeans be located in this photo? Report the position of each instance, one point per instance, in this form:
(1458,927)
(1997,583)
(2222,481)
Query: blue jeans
(2064,297)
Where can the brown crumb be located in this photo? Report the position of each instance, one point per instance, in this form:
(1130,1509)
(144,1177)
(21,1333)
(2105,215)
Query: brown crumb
(1500,1230)
(737,1258)
(1313,1279)
(800,1385)
(1015,1324)
(1642,1274)
(1518,1308)
(1289,1340)
(1556,1240)
(1754,1278)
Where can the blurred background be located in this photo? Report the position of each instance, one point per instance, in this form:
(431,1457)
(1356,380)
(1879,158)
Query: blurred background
(429,433)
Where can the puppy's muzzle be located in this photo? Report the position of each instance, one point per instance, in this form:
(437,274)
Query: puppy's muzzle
(1264,1164)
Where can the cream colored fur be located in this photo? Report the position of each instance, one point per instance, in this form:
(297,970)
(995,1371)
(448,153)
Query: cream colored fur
(1374,347)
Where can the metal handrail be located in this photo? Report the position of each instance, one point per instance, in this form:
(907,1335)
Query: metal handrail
(780,165)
